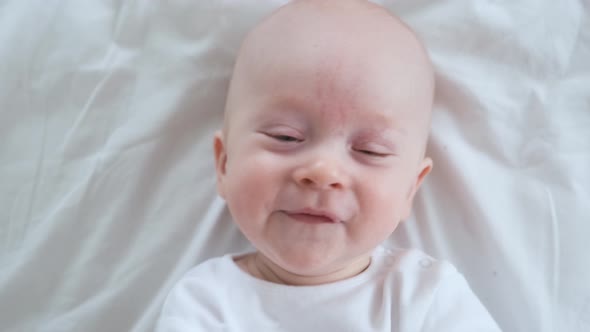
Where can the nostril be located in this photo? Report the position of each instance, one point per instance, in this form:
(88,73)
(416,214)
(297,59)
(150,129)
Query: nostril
(336,185)
(320,176)
(307,181)
(311,183)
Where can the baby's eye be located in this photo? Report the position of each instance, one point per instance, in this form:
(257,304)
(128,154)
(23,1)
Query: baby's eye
(373,153)
(285,138)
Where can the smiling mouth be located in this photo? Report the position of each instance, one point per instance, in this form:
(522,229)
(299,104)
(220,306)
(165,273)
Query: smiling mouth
(311,218)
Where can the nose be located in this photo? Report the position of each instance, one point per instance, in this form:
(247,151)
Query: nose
(321,174)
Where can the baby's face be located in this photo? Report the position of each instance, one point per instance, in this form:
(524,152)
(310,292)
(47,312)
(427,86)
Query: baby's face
(323,149)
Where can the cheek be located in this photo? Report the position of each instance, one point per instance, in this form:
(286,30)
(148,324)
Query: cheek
(380,215)
(251,183)
(383,199)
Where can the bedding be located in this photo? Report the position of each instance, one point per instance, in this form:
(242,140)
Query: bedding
(107,188)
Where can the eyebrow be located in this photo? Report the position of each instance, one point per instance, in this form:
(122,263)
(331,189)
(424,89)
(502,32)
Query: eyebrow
(286,100)
(292,104)
(383,125)
(386,134)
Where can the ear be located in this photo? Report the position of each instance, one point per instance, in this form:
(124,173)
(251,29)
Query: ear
(423,170)
(220,161)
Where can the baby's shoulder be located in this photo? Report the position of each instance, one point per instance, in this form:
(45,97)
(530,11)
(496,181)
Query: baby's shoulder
(412,268)
(430,291)
(210,267)
(202,278)
(413,261)
(201,285)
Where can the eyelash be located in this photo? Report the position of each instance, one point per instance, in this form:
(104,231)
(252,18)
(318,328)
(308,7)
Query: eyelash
(291,139)
(373,154)
(285,138)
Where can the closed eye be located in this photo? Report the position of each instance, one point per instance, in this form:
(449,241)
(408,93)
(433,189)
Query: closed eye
(285,138)
(374,153)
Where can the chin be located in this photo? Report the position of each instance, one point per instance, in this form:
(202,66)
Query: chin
(305,262)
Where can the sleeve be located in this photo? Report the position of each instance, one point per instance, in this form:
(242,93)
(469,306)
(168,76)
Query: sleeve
(455,308)
(189,309)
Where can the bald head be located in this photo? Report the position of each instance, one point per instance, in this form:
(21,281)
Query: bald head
(328,106)
(346,48)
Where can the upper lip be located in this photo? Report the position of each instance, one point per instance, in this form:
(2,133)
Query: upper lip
(316,212)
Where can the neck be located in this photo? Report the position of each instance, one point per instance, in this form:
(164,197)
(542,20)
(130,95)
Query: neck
(263,268)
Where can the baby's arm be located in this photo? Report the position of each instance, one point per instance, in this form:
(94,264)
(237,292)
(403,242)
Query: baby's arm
(186,309)
(455,308)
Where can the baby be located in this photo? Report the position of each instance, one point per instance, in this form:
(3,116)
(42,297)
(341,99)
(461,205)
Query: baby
(320,156)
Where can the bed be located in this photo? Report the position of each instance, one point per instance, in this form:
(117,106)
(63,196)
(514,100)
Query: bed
(107,192)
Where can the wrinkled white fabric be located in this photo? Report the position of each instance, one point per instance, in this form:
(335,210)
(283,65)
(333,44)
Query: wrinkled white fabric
(107,193)
(401,291)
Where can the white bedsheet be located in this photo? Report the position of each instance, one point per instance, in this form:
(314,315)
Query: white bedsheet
(107,193)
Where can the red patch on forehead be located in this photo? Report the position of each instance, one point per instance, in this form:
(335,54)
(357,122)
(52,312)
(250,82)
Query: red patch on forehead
(334,91)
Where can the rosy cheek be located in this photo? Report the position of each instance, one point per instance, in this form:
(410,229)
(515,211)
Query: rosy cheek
(251,184)
(382,196)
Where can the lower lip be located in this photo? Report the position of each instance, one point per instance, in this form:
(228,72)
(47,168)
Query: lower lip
(310,219)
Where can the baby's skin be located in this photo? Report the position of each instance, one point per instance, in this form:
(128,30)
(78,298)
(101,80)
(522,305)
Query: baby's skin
(323,145)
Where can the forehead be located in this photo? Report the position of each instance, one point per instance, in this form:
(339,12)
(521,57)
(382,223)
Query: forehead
(334,86)
(336,65)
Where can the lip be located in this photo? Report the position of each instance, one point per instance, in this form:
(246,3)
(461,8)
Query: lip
(313,216)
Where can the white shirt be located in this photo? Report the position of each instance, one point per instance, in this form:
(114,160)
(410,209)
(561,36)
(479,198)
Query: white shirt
(401,290)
